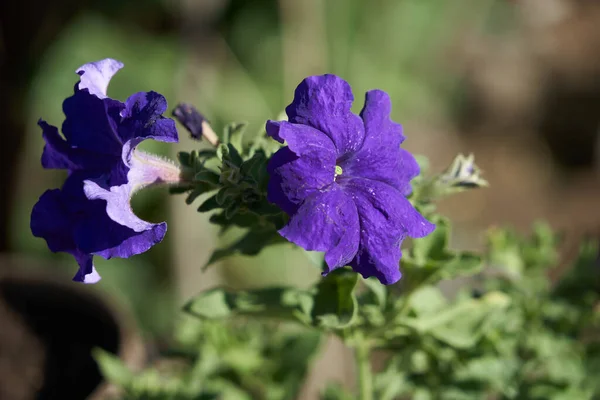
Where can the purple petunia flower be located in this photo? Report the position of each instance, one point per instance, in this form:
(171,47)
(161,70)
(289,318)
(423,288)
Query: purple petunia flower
(91,214)
(343,179)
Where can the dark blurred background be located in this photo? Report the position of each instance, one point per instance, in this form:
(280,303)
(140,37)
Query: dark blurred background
(517,82)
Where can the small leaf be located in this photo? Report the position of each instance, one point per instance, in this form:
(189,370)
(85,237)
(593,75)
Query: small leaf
(197,190)
(233,132)
(232,210)
(204,154)
(429,260)
(250,244)
(582,281)
(225,194)
(378,291)
(185,159)
(234,156)
(112,368)
(280,302)
(240,219)
(180,188)
(463,264)
(428,300)
(209,204)
(256,169)
(207,176)
(222,152)
(462,324)
(194,194)
(211,304)
(434,246)
(335,301)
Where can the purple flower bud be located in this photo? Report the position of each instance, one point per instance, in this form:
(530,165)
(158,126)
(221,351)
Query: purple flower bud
(191,119)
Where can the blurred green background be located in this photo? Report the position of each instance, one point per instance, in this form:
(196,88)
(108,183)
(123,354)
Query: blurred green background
(515,82)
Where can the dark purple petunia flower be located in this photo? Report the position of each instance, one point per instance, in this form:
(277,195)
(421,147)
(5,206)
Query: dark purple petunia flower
(91,214)
(343,178)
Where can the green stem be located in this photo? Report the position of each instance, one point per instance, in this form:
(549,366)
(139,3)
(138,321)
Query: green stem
(365,376)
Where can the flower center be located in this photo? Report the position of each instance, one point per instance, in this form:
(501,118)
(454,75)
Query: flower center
(338,171)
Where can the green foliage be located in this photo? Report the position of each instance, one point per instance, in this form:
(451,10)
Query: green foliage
(235,178)
(509,333)
(240,360)
(429,260)
(505,332)
(330,304)
(150,384)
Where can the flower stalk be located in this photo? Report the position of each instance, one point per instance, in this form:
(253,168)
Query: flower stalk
(365,376)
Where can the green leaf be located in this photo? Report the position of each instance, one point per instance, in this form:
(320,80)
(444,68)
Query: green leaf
(415,275)
(207,176)
(497,372)
(209,204)
(335,304)
(197,190)
(378,291)
(373,302)
(250,244)
(462,324)
(180,188)
(184,158)
(463,264)
(427,300)
(222,152)
(517,254)
(429,260)
(240,219)
(434,246)
(232,210)
(294,355)
(582,282)
(228,153)
(224,195)
(281,303)
(112,368)
(255,171)
(233,134)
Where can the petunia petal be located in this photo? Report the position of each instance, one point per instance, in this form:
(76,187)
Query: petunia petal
(302,139)
(326,221)
(380,156)
(279,191)
(58,154)
(142,119)
(300,169)
(324,102)
(91,123)
(386,218)
(87,272)
(51,220)
(129,235)
(95,76)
